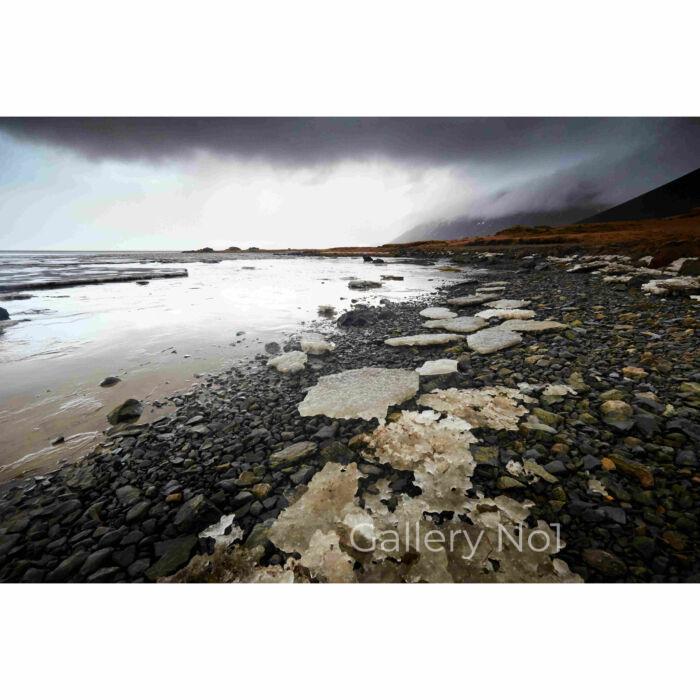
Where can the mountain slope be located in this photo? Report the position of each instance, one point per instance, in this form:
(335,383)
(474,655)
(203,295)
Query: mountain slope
(470,227)
(676,197)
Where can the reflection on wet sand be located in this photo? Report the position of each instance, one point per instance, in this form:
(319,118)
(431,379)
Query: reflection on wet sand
(155,337)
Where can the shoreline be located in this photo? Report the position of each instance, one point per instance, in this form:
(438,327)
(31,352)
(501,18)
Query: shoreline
(118,513)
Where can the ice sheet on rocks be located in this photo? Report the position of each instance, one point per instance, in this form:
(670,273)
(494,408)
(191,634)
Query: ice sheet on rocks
(237,565)
(437,312)
(508,304)
(528,326)
(315,344)
(435,449)
(360,393)
(461,324)
(472,299)
(339,538)
(676,285)
(495,407)
(313,526)
(424,339)
(289,362)
(492,340)
(506,313)
(434,367)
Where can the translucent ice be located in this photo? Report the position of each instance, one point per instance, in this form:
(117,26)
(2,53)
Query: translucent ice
(360,393)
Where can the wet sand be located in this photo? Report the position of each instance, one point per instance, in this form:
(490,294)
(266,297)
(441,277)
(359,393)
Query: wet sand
(156,338)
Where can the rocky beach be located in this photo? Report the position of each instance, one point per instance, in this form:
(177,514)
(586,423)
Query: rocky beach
(530,395)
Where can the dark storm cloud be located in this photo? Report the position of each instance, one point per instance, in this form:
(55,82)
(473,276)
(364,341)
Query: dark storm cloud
(519,164)
(311,141)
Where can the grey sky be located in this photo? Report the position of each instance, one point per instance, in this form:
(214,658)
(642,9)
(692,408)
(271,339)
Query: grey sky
(174,183)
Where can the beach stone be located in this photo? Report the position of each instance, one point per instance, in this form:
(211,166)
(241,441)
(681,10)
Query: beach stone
(128,495)
(604,562)
(176,554)
(507,482)
(95,561)
(617,414)
(110,381)
(292,454)
(302,476)
(138,511)
(130,410)
(484,454)
(636,373)
(196,514)
(634,469)
(492,340)
(79,477)
(68,567)
(363,284)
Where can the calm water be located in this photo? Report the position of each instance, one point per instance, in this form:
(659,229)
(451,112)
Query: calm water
(154,337)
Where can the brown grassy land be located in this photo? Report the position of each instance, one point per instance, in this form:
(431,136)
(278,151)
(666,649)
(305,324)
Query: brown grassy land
(665,239)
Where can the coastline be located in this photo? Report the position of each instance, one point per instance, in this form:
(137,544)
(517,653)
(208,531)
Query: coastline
(124,508)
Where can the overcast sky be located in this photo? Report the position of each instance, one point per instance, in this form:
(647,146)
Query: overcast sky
(169,184)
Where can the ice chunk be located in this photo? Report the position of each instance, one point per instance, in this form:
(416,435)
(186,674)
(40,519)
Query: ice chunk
(558,390)
(495,289)
(315,344)
(435,449)
(424,339)
(433,367)
(360,393)
(437,312)
(289,362)
(461,324)
(597,486)
(506,313)
(493,339)
(494,407)
(530,471)
(472,300)
(526,326)
(329,499)
(508,304)
(326,561)
(224,532)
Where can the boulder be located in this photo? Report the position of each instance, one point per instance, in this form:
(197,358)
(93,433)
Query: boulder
(129,411)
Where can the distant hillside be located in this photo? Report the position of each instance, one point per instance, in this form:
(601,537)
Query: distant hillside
(676,197)
(470,227)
